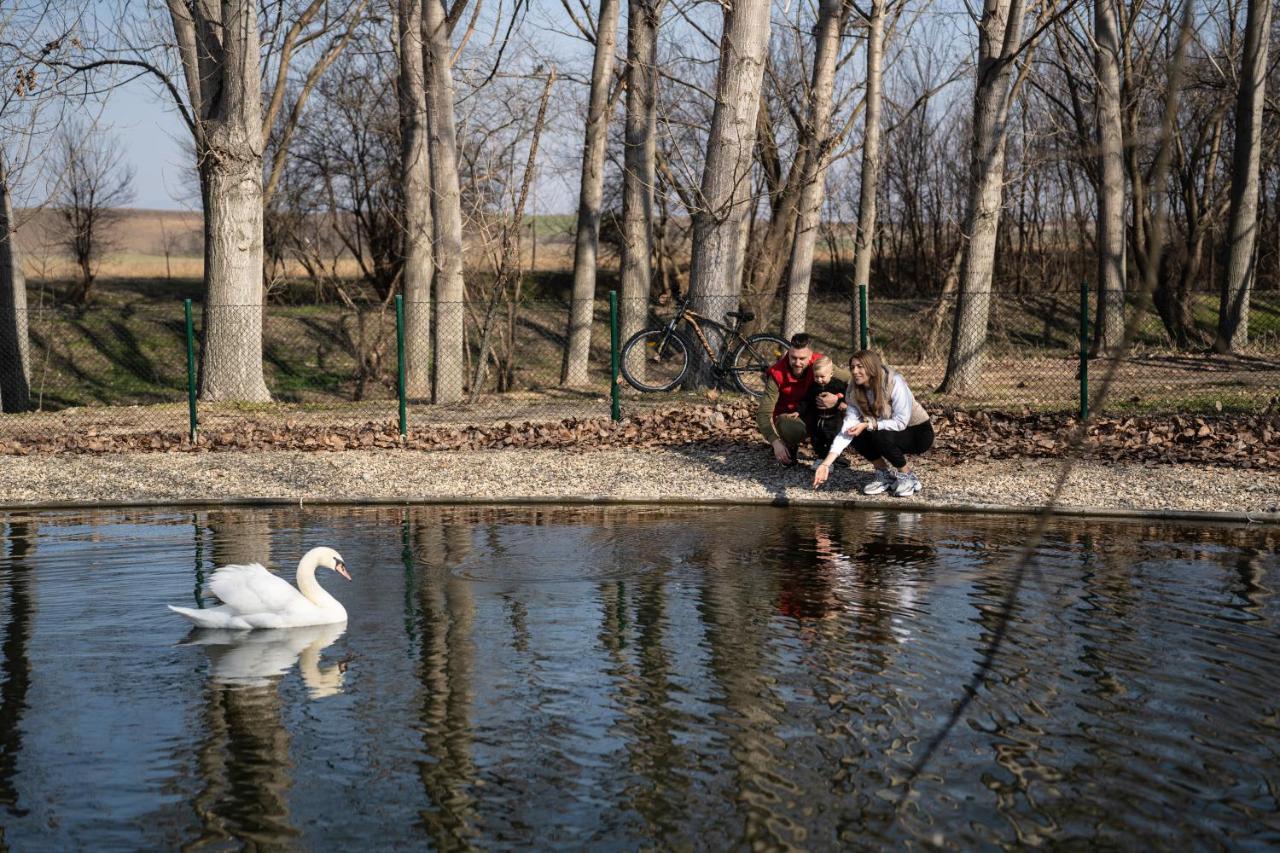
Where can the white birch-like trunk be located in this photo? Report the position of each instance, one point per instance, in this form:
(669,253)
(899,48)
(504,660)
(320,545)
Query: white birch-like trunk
(1109,323)
(577,355)
(826,51)
(230,161)
(638,169)
(1242,229)
(725,197)
(999,35)
(446,205)
(15,352)
(864,239)
(416,177)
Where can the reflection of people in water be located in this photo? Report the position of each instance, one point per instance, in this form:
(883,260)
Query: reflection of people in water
(844,575)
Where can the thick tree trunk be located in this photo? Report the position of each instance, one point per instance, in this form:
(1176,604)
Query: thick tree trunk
(638,171)
(1109,325)
(725,197)
(578,346)
(231,358)
(870,165)
(446,204)
(815,151)
(230,157)
(416,177)
(1242,229)
(999,35)
(15,353)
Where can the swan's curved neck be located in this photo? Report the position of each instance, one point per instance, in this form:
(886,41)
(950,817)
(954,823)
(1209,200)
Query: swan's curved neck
(310,587)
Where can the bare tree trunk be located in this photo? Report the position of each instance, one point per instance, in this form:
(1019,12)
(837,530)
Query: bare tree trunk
(577,351)
(229,152)
(870,164)
(638,167)
(416,176)
(446,204)
(815,151)
(15,353)
(1109,325)
(1242,230)
(725,197)
(999,34)
(938,313)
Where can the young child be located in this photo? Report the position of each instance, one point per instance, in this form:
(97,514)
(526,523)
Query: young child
(824,423)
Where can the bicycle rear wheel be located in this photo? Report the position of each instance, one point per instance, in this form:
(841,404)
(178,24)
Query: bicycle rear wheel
(655,360)
(752,359)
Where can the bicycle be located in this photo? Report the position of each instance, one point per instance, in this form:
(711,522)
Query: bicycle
(741,360)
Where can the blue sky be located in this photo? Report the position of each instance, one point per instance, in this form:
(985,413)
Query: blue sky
(152,136)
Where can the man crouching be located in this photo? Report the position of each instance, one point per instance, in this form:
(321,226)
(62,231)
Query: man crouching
(785,386)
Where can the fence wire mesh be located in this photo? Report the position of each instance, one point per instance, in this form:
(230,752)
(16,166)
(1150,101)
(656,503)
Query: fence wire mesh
(1029,350)
(124,368)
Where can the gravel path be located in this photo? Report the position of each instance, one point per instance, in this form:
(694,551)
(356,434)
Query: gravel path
(677,474)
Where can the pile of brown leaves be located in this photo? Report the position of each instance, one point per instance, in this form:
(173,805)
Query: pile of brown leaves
(1241,441)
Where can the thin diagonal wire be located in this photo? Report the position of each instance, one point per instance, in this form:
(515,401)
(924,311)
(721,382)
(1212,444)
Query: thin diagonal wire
(1023,563)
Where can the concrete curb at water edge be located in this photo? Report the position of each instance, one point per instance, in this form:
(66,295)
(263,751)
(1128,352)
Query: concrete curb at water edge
(1261,518)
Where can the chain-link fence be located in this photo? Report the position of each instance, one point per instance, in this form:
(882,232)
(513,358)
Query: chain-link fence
(1023,351)
(125,369)
(114,368)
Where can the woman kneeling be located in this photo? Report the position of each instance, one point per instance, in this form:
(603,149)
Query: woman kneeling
(884,423)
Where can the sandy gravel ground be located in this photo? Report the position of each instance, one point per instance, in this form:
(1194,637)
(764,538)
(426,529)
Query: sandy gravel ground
(678,474)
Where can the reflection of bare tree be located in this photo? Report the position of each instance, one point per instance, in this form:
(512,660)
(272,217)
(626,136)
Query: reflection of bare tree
(645,695)
(1252,589)
(445,615)
(243,759)
(14,663)
(243,763)
(240,536)
(738,642)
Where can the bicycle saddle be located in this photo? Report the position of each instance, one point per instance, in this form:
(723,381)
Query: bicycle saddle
(745,316)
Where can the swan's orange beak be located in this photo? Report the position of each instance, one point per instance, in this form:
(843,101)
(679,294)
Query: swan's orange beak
(341,568)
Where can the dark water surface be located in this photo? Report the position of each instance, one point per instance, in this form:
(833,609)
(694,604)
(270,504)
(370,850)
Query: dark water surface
(620,678)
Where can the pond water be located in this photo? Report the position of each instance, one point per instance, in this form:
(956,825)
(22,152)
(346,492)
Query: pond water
(631,677)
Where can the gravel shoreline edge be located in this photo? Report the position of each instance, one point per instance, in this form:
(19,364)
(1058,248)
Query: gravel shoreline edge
(672,476)
(1225,517)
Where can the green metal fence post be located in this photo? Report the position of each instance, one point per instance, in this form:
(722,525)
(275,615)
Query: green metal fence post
(400,383)
(192,424)
(864,330)
(1084,351)
(615,404)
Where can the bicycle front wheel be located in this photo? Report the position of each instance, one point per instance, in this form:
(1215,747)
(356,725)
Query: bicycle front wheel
(752,359)
(655,360)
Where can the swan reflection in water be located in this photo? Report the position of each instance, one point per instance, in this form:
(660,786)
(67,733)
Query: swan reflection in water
(257,658)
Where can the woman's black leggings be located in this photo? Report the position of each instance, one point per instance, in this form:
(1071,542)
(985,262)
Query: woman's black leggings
(893,445)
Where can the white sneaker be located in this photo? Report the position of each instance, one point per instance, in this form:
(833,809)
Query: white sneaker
(908,484)
(884,481)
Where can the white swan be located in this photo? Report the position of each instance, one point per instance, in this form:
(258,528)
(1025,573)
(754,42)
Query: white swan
(252,597)
(256,658)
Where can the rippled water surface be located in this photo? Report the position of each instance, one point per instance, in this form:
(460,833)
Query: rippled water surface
(620,678)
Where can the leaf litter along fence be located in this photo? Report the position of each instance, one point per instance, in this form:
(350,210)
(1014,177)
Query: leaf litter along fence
(112,369)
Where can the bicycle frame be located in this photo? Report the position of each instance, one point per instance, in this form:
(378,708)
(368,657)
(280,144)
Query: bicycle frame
(732,334)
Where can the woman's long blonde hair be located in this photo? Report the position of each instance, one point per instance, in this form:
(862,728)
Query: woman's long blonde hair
(877,381)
